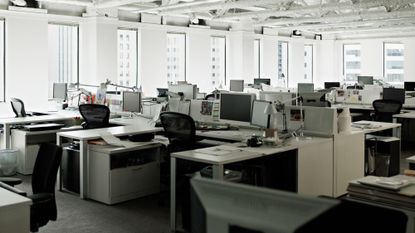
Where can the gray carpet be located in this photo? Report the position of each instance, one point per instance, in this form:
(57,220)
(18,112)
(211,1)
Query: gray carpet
(143,215)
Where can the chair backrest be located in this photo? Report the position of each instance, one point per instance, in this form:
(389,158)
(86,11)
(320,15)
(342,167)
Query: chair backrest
(18,107)
(95,115)
(385,109)
(210,97)
(43,182)
(179,128)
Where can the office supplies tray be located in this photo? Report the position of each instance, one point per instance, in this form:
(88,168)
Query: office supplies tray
(45,126)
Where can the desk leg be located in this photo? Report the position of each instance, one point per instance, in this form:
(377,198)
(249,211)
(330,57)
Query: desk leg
(59,179)
(82,169)
(172,194)
(6,136)
(218,172)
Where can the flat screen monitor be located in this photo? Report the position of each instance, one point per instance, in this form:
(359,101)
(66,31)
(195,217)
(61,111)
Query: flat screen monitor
(236,85)
(259,81)
(305,87)
(394,94)
(162,92)
(131,101)
(409,86)
(259,118)
(365,80)
(236,107)
(189,91)
(227,207)
(60,91)
(328,85)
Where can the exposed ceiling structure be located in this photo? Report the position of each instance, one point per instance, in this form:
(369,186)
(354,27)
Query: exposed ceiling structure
(326,17)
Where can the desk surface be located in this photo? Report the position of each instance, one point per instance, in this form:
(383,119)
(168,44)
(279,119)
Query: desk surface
(232,135)
(375,126)
(8,198)
(89,134)
(408,115)
(34,119)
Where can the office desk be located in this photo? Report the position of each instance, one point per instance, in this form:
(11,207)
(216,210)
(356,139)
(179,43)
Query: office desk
(312,170)
(9,122)
(14,212)
(377,126)
(229,135)
(90,134)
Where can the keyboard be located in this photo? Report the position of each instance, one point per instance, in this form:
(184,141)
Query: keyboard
(211,126)
(44,126)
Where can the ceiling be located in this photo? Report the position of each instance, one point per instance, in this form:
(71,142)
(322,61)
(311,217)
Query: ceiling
(326,17)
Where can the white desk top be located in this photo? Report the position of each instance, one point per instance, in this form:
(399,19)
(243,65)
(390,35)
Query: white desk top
(233,135)
(374,126)
(8,198)
(33,119)
(90,134)
(236,152)
(408,115)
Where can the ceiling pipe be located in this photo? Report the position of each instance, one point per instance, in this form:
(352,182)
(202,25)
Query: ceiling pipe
(117,3)
(408,12)
(70,2)
(370,30)
(179,6)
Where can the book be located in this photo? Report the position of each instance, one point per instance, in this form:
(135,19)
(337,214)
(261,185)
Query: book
(394,183)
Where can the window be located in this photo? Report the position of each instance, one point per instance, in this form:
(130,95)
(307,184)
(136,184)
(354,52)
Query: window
(393,63)
(308,63)
(63,54)
(351,62)
(2,44)
(176,57)
(218,45)
(282,64)
(257,57)
(127,62)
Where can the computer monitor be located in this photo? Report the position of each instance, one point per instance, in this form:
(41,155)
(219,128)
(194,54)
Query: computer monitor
(305,87)
(287,98)
(131,101)
(394,94)
(189,90)
(365,80)
(409,86)
(328,85)
(235,108)
(226,207)
(60,91)
(259,81)
(259,118)
(236,85)
(162,92)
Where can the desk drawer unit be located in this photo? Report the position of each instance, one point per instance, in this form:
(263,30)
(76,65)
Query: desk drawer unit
(121,174)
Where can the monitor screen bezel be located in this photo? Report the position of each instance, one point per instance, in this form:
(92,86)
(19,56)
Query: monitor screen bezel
(331,85)
(259,81)
(395,89)
(66,91)
(233,122)
(365,77)
(252,114)
(123,100)
(405,85)
(239,81)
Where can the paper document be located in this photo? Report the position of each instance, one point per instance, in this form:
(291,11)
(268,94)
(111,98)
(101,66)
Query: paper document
(221,150)
(114,141)
(393,183)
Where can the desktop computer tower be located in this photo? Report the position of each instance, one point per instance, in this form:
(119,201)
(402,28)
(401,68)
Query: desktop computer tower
(70,169)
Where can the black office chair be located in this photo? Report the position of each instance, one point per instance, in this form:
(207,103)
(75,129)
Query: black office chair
(18,107)
(210,97)
(95,115)
(44,176)
(385,109)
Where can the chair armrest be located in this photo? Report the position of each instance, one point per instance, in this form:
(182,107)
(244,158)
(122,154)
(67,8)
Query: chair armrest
(12,189)
(40,198)
(10,180)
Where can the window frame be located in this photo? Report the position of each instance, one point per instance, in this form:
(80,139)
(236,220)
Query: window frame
(312,60)
(344,61)
(137,80)
(185,53)
(224,55)
(288,62)
(384,61)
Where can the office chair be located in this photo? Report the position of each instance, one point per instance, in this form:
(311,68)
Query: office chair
(385,109)
(95,115)
(44,176)
(18,107)
(210,97)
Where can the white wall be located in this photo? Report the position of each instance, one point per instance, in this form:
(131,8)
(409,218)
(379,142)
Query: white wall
(27,59)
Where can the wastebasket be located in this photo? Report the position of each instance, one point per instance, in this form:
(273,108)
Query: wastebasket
(8,162)
(382,162)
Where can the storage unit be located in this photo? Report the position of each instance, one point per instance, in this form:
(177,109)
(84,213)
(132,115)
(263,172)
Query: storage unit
(387,154)
(119,174)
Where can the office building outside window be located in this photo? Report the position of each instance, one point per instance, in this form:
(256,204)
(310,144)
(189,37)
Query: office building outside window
(2,55)
(393,63)
(63,54)
(218,60)
(176,57)
(282,64)
(351,62)
(127,58)
(308,63)
(257,57)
